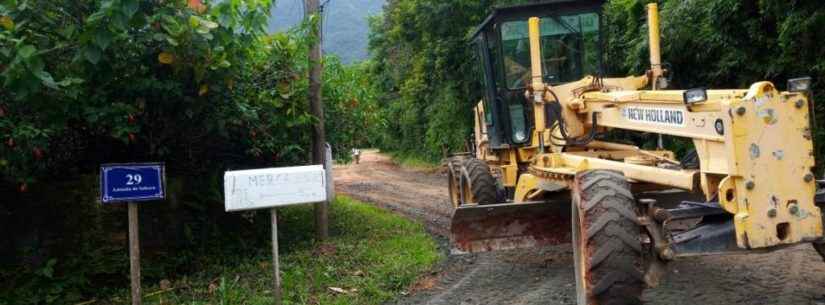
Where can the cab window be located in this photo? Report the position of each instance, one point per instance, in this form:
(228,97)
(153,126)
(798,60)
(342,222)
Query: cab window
(481,80)
(570,49)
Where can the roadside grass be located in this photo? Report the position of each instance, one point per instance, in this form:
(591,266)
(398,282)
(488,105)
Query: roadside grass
(415,162)
(372,256)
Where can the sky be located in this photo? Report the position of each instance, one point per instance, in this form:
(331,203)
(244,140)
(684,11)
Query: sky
(345,24)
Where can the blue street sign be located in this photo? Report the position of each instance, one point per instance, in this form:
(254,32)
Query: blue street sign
(132,182)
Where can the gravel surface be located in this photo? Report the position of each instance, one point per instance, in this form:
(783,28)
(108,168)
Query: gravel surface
(794,276)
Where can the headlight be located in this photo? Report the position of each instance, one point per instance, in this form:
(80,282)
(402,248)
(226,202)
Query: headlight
(520,136)
(693,96)
(801,84)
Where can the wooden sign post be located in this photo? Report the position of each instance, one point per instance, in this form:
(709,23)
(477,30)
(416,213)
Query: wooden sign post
(272,188)
(134,252)
(131,183)
(276,268)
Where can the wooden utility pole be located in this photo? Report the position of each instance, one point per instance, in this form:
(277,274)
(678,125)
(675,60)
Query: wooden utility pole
(313,8)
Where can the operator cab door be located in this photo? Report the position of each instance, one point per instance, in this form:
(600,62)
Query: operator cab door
(484,75)
(505,117)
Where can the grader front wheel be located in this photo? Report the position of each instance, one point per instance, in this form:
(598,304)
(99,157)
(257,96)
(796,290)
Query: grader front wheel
(470,181)
(820,247)
(606,243)
(454,187)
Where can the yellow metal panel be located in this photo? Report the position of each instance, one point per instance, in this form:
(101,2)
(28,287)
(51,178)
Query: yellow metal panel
(570,163)
(653,40)
(510,170)
(626,83)
(527,184)
(480,130)
(537,79)
(621,154)
(575,127)
(770,157)
(535,52)
(712,155)
(664,97)
(727,198)
(568,93)
(692,124)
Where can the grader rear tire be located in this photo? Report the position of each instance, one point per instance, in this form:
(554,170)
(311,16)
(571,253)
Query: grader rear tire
(606,243)
(454,187)
(478,185)
(820,247)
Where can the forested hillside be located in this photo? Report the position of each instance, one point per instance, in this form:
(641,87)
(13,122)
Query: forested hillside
(424,69)
(345,29)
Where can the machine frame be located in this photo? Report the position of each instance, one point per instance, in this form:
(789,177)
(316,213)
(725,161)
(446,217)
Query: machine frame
(754,180)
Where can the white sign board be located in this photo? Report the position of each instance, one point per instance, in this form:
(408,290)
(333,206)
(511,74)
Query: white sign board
(274,187)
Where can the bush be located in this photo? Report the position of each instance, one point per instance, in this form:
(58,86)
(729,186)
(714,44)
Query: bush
(188,83)
(89,82)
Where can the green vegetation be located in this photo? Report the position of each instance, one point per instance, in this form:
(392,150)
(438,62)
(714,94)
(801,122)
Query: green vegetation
(189,83)
(351,104)
(414,161)
(372,254)
(196,84)
(425,69)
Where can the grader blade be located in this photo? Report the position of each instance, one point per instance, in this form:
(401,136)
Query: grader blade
(482,228)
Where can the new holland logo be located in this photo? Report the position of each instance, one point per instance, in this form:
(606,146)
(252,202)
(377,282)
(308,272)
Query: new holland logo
(656,116)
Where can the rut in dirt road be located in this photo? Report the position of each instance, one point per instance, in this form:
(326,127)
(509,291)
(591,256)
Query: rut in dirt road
(795,276)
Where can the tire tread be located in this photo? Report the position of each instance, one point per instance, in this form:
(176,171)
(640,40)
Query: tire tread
(482,183)
(612,238)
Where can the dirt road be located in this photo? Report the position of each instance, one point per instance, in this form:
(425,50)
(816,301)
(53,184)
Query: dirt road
(794,276)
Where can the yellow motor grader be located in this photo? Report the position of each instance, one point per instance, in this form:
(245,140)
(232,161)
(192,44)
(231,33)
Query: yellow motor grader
(540,143)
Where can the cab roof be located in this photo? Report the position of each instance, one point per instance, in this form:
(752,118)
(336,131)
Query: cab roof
(544,8)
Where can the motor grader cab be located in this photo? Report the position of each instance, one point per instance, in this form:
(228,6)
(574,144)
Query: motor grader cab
(570,50)
(541,163)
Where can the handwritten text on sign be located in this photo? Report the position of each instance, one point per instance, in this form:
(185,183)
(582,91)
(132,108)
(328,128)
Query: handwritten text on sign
(273,187)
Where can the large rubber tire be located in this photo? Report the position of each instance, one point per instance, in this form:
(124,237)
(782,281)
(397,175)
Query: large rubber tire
(820,247)
(453,187)
(478,184)
(606,240)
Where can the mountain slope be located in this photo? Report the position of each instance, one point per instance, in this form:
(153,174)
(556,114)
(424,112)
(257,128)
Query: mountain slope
(345,28)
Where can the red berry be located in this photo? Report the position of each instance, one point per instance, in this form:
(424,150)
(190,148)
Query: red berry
(131,119)
(38,153)
(23,187)
(10,142)
(131,137)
